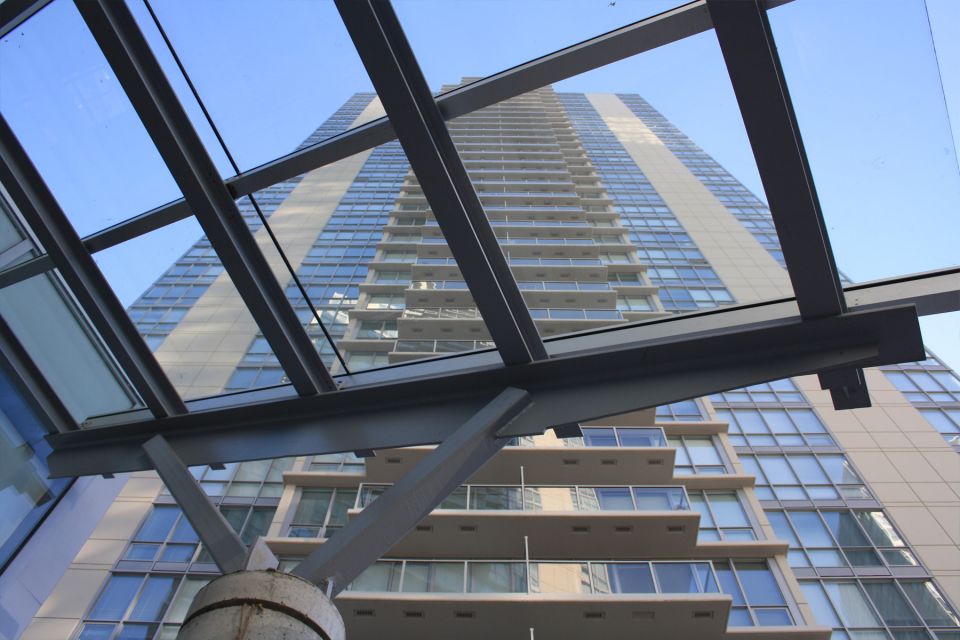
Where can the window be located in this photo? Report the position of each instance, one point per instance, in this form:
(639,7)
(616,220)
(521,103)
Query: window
(696,455)
(722,516)
(252,479)
(904,608)
(778,391)
(946,421)
(841,538)
(926,386)
(684,411)
(775,427)
(134,606)
(798,476)
(337,462)
(757,599)
(321,512)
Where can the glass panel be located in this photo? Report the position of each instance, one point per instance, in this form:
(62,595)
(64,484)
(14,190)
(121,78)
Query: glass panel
(728,583)
(842,99)
(446,52)
(930,603)
(137,632)
(178,553)
(154,598)
(594,437)
(496,498)
(879,528)
(662,499)
(808,470)
(343,501)
(73,118)
(845,529)
(559,577)
(702,451)
(188,590)
(142,551)
(728,510)
(615,499)
(891,604)
(313,506)
(269,117)
(433,577)
(818,601)
(839,469)
(116,597)
(380,576)
(851,604)
(631,578)
(777,470)
(676,577)
(96,632)
(773,617)
(810,529)
(758,583)
(158,524)
(496,577)
(257,525)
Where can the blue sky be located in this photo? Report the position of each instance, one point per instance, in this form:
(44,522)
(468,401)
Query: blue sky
(862,74)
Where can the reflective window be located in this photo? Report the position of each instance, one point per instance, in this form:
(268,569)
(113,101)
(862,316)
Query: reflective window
(869,608)
(696,455)
(775,428)
(321,512)
(822,476)
(722,516)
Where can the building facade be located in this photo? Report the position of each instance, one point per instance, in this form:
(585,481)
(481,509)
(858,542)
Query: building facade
(757,512)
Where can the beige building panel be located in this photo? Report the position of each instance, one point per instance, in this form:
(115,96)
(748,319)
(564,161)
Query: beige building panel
(748,271)
(48,629)
(73,594)
(121,521)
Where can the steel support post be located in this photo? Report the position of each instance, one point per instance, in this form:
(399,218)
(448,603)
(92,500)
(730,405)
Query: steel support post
(746,40)
(214,531)
(142,78)
(43,214)
(392,515)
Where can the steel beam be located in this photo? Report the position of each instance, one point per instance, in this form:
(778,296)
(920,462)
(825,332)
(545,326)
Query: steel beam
(644,35)
(395,513)
(34,386)
(756,74)
(125,48)
(218,537)
(391,65)
(43,214)
(579,386)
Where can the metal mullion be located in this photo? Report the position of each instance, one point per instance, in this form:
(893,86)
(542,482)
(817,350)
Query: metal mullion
(141,76)
(49,223)
(392,67)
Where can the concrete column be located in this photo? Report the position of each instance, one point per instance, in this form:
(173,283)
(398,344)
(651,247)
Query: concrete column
(262,605)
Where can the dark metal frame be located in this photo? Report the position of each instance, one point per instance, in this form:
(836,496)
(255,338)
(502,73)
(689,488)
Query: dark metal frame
(534,384)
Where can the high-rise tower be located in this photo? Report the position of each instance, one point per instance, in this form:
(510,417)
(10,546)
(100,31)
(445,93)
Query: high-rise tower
(713,517)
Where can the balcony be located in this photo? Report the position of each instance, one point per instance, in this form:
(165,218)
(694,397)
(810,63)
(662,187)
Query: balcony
(467,600)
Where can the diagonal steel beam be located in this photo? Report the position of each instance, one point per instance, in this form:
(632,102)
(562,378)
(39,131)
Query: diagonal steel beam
(746,40)
(579,386)
(644,35)
(218,537)
(43,214)
(170,128)
(420,128)
(395,513)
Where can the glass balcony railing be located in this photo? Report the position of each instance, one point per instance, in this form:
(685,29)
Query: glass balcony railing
(471,313)
(549,498)
(587,578)
(442,346)
(458,285)
(607,437)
